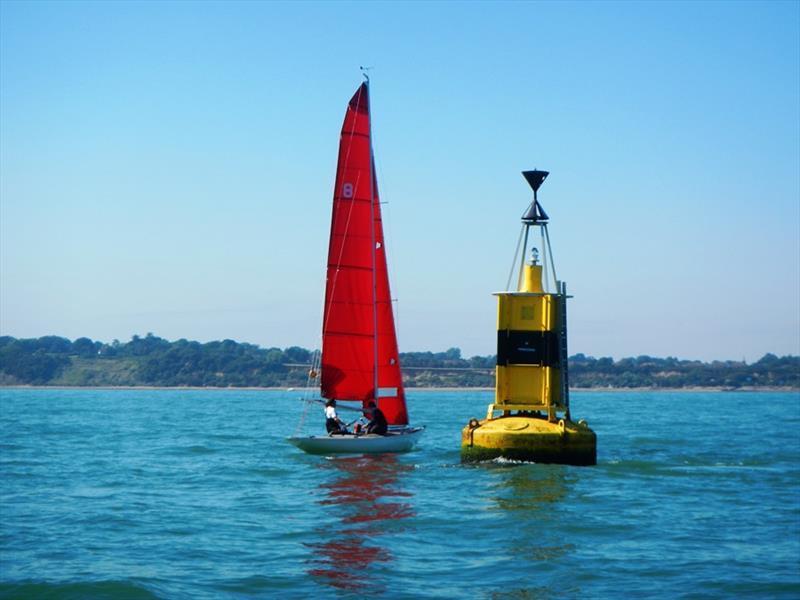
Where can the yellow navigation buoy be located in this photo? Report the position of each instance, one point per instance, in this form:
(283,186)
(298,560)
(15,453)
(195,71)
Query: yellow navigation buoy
(532,384)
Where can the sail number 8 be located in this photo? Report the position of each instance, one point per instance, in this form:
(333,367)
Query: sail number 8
(347,190)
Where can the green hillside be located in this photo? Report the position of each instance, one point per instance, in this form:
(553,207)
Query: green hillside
(153,361)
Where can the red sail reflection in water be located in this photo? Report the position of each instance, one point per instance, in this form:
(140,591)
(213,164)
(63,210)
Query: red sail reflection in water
(365,494)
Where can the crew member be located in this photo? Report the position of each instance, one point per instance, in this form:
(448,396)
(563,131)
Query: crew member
(333,423)
(377,420)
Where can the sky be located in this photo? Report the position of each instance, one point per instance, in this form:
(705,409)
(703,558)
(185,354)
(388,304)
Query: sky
(168,167)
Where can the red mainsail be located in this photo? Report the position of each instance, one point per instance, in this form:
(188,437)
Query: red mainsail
(359,344)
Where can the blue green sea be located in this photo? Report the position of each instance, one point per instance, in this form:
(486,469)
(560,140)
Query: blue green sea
(195,494)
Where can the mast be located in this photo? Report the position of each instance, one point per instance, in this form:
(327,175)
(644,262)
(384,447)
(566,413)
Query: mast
(373,249)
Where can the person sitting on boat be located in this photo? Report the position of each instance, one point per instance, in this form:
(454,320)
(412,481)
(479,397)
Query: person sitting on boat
(333,424)
(377,420)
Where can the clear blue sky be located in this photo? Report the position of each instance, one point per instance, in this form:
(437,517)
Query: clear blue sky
(168,167)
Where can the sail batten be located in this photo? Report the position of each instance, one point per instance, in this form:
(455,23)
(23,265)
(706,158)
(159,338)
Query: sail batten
(360,360)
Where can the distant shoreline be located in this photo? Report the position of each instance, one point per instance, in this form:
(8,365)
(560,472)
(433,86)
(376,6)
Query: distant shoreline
(152,362)
(408,389)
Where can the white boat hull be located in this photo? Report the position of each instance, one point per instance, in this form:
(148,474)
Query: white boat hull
(395,441)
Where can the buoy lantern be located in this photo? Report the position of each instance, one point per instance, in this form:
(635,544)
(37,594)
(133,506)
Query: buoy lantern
(530,417)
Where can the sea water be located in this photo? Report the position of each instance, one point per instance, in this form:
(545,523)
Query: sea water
(196,494)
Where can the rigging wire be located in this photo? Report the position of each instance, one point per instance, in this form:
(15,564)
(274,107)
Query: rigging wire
(514,262)
(545,281)
(309,389)
(552,263)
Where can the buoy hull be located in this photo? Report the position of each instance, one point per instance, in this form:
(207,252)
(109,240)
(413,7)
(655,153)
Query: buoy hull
(528,438)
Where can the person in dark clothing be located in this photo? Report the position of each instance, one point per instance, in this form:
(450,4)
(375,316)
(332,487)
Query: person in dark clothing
(333,424)
(377,420)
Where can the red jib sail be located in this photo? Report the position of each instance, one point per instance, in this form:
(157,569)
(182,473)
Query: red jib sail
(359,345)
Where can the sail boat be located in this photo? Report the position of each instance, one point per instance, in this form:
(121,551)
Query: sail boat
(359,361)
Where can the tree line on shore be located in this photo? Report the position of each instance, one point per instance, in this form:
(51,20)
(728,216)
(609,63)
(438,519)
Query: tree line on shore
(154,361)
